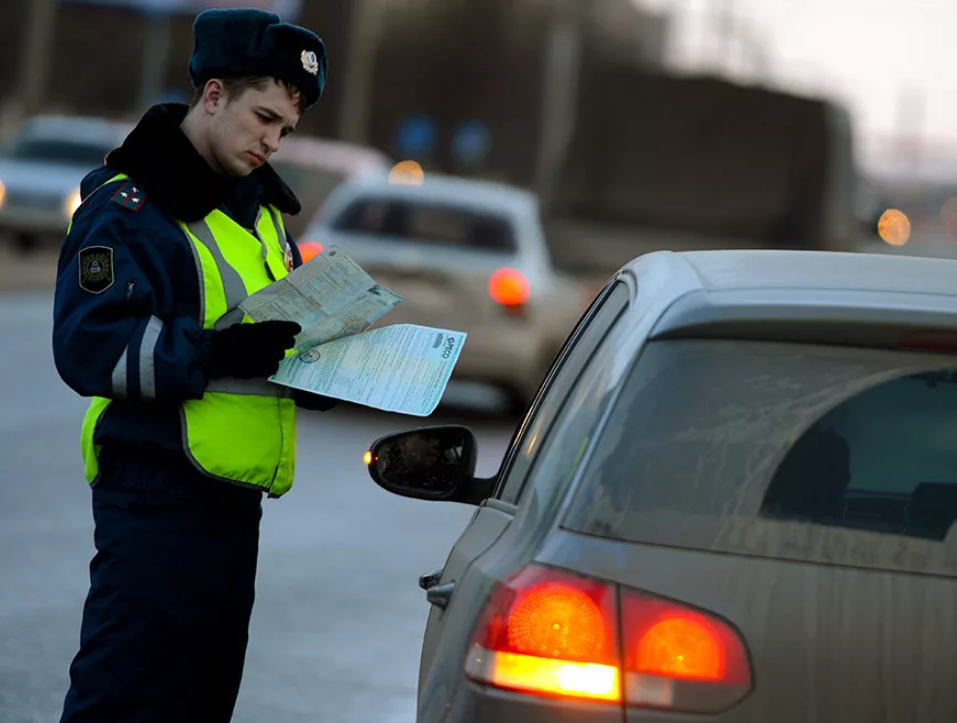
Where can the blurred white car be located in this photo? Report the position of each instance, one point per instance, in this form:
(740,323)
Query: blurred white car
(41,170)
(467,256)
(314,166)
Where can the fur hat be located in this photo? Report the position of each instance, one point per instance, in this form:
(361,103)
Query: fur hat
(244,42)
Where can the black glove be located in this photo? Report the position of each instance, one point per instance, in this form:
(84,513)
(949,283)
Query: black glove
(314,402)
(251,351)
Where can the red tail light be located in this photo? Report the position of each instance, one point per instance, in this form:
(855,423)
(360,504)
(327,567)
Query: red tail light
(309,250)
(939,341)
(509,288)
(553,633)
(679,658)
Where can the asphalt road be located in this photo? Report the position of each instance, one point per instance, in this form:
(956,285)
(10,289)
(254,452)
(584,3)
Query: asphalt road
(339,616)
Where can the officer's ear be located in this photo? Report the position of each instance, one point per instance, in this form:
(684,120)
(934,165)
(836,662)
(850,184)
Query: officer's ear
(214,95)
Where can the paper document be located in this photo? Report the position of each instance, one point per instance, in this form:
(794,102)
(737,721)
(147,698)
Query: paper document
(401,368)
(329,297)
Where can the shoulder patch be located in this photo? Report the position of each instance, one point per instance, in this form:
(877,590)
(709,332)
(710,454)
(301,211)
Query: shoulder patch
(96,269)
(129,196)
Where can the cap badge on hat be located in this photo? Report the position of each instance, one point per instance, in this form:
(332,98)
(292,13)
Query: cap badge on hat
(310,61)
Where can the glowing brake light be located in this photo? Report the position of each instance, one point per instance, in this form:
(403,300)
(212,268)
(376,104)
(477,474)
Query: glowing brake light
(559,677)
(676,657)
(509,288)
(681,648)
(309,250)
(553,633)
(549,632)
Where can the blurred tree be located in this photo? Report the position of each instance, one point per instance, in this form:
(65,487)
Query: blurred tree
(36,47)
(94,59)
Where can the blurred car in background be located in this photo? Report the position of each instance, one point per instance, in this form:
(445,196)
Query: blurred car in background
(467,256)
(733,500)
(41,169)
(313,166)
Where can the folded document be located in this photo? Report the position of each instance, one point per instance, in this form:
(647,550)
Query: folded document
(402,368)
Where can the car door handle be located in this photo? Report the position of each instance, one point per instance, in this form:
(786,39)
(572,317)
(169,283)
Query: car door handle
(440,595)
(431,579)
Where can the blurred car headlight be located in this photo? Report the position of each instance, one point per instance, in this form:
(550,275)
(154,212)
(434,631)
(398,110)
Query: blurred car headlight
(72,203)
(3,193)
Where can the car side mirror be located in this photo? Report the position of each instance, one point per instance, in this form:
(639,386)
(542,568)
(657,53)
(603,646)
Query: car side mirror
(429,463)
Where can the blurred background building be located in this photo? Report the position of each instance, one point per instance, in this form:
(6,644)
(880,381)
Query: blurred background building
(586,102)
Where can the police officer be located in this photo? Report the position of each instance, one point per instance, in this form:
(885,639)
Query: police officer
(184,434)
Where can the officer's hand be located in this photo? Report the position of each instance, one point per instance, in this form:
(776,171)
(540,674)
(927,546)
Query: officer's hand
(251,351)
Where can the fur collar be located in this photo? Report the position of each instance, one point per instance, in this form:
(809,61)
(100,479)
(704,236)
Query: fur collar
(161,159)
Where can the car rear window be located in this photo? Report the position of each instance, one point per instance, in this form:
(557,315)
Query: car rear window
(60,151)
(808,453)
(425,223)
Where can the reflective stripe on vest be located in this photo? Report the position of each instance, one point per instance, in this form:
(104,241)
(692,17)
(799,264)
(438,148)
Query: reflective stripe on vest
(242,431)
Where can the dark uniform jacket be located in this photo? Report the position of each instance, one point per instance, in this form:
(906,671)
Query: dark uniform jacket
(144,268)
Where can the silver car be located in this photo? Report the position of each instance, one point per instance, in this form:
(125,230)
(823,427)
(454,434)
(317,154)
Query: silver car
(465,255)
(41,170)
(733,500)
(314,166)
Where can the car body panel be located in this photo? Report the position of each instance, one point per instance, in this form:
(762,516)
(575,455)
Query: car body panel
(479,704)
(435,685)
(762,269)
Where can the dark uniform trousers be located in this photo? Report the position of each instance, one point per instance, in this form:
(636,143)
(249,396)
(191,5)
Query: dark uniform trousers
(165,624)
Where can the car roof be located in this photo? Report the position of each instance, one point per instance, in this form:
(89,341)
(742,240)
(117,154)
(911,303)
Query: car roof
(338,156)
(773,269)
(90,129)
(449,189)
(811,296)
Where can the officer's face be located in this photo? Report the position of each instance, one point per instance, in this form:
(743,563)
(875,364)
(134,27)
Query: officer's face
(249,128)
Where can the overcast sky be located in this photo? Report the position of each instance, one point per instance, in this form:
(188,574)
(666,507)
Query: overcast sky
(873,53)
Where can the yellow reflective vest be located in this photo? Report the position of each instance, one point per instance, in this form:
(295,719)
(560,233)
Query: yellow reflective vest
(241,431)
